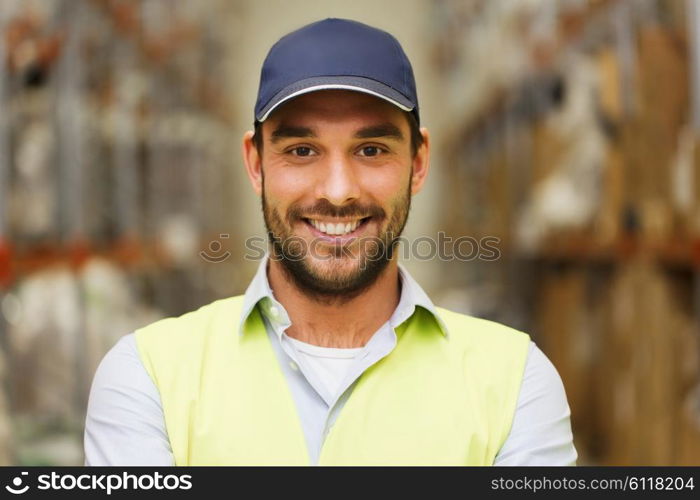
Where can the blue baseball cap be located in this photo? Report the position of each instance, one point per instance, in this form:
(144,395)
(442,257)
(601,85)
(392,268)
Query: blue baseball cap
(336,54)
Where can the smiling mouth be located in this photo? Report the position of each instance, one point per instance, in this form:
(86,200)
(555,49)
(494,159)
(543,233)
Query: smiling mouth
(337,228)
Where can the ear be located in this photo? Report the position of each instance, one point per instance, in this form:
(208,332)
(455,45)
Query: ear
(252,161)
(421,163)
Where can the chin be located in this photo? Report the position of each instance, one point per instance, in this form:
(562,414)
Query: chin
(336,280)
(333,269)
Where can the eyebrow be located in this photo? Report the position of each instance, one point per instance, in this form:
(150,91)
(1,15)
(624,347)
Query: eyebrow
(388,130)
(284,131)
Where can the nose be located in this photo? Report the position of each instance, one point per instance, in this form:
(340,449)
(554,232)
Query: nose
(339,183)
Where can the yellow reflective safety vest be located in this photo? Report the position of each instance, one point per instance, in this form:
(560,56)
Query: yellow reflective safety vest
(434,400)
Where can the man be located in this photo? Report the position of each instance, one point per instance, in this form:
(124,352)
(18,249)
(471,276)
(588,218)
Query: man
(334,355)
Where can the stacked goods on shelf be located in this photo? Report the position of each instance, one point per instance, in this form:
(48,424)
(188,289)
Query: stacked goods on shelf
(651,136)
(688,363)
(114,154)
(684,176)
(568,335)
(627,354)
(44,345)
(569,153)
(605,222)
(647,327)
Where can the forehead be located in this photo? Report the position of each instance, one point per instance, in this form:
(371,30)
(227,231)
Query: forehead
(336,106)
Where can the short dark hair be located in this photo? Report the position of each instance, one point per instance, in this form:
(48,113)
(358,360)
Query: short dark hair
(416,137)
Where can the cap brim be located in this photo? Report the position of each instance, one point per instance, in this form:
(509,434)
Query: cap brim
(355,83)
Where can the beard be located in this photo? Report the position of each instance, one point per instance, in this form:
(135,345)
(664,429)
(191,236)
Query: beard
(348,270)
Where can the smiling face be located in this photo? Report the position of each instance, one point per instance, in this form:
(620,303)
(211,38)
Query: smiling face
(336,178)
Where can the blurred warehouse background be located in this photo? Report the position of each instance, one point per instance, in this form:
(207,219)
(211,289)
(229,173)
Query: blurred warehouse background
(567,129)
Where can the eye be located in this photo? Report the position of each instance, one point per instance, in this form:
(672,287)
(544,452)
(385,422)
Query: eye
(301,151)
(371,151)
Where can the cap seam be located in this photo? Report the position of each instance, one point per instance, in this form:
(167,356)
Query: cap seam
(397,50)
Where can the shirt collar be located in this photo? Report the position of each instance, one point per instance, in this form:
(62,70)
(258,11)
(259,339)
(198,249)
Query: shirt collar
(412,296)
(258,289)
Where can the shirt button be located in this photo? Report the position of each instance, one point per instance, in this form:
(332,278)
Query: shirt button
(293,366)
(274,311)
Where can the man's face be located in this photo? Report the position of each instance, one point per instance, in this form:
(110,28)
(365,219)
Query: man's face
(336,173)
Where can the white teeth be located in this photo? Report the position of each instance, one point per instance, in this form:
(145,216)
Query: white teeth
(335,229)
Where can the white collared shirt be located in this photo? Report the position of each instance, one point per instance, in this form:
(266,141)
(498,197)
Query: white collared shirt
(125,423)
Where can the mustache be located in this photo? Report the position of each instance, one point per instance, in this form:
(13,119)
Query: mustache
(326,208)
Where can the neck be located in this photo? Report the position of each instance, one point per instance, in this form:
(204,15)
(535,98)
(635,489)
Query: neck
(350,324)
